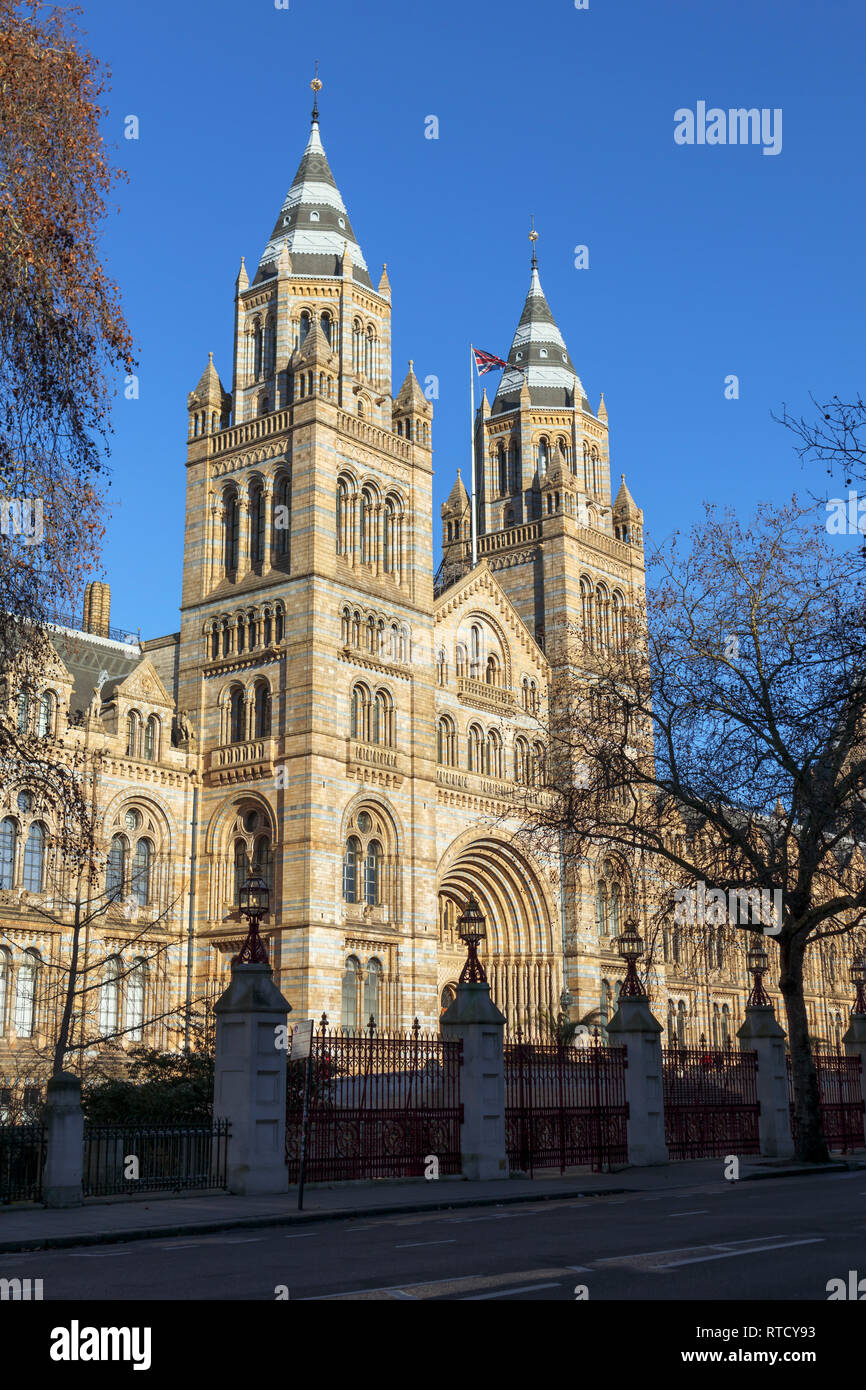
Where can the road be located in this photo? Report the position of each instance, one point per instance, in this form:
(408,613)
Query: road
(769,1240)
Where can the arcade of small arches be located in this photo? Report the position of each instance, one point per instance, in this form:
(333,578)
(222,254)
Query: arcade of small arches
(371,715)
(482,654)
(486,752)
(143,736)
(37,713)
(121,1002)
(505,463)
(369,526)
(375,634)
(245,711)
(255,516)
(602,615)
(245,630)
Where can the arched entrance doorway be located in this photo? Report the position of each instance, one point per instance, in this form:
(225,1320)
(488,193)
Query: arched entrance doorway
(523,964)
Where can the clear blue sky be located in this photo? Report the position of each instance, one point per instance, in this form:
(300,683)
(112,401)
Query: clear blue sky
(704,261)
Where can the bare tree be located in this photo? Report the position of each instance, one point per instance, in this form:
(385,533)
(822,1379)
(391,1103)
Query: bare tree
(717,740)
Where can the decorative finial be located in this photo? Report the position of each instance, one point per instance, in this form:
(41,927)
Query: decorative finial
(533,237)
(411,364)
(316,87)
(210,359)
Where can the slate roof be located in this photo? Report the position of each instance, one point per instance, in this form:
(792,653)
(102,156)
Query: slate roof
(539,347)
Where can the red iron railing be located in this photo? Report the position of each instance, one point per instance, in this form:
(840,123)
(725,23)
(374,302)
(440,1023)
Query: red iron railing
(565,1105)
(840,1098)
(711,1102)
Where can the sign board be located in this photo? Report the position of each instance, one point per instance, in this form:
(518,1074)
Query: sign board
(302,1040)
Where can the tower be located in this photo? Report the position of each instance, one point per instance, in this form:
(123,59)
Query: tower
(545,518)
(305,658)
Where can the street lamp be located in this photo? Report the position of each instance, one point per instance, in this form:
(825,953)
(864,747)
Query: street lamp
(757,962)
(471,930)
(858,980)
(254,901)
(631,949)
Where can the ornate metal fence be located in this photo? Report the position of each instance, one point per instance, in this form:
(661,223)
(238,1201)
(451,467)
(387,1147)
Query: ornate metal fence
(711,1102)
(840,1098)
(382,1104)
(154,1158)
(565,1105)
(22,1158)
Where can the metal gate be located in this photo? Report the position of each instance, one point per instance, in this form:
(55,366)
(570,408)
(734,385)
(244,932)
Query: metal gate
(565,1105)
(382,1105)
(711,1102)
(840,1097)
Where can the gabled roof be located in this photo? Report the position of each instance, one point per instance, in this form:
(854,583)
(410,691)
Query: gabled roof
(142,683)
(479,591)
(313,224)
(539,348)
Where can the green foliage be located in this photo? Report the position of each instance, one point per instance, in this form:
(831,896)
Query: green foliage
(161,1087)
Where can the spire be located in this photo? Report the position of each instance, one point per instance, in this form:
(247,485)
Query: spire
(602,409)
(243,280)
(210,388)
(410,396)
(625,505)
(539,348)
(313,223)
(458,498)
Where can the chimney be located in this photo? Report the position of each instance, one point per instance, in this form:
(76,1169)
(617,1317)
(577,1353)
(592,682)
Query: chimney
(97,606)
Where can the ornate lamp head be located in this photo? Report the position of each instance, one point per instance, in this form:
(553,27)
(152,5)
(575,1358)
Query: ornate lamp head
(630,947)
(471,929)
(757,961)
(254,900)
(858,979)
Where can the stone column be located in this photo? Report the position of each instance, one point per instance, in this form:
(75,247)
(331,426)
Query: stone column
(474,1017)
(250,1079)
(64,1162)
(634,1027)
(762,1033)
(855,1046)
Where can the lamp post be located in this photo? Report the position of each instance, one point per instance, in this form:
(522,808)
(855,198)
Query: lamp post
(858,979)
(757,962)
(471,930)
(254,900)
(631,950)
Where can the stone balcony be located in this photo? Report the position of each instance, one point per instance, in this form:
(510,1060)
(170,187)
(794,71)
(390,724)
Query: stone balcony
(240,762)
(493,698)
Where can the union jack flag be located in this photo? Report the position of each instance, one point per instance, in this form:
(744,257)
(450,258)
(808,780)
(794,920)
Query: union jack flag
(488,362)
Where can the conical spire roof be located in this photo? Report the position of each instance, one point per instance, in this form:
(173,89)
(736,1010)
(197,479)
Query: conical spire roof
(538,347)
(410,396)
(624,502)
(313,223)
(458,497)
(210,388)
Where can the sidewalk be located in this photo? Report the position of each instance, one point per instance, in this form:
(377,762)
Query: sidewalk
(104,1221)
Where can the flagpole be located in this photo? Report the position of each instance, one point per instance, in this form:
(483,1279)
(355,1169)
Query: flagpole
(472,516)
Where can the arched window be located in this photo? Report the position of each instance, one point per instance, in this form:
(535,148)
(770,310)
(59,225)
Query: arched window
(446,742)
(242,866)
(390,538)
(475,652)
(25,995)
(493,754)
(596,471)
(349,993)
(446,998)
(257,524)
(5,972)
(602,611)
(151,738)
(135,986)
(230,531)
(351,857)
(369,354)
(521,760)
(132,727)
(45,717)
(441,667)
(263,860)
(618,620)
(237,716)
(283,516)
(601,908)
(262,710)
(109,998)
(503,470)
(327,327)
(682,1023)
(356,345)
(8,842)
(303,327)
(141,872)
(372,989)
(382,720)
(492,671)
(367,540)
(543,455)
(23,711)
(372,873)
(461,663)
(357,713)
(342,517)
(586,611)
(115,873)
(514,465)
(726,1023)
(475,749)
(34,857)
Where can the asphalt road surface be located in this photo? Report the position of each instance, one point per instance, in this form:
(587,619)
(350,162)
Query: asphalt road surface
(767,1240)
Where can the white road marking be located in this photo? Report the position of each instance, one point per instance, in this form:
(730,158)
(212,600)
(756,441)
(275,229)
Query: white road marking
(702,1212)
(97,1254)
(305,1235)
(413,1244)
(755,1250)
(506,1293)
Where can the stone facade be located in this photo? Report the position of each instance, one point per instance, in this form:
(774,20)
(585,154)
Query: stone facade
(333,715)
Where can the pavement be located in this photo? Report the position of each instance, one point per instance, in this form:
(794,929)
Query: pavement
(107,1221)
